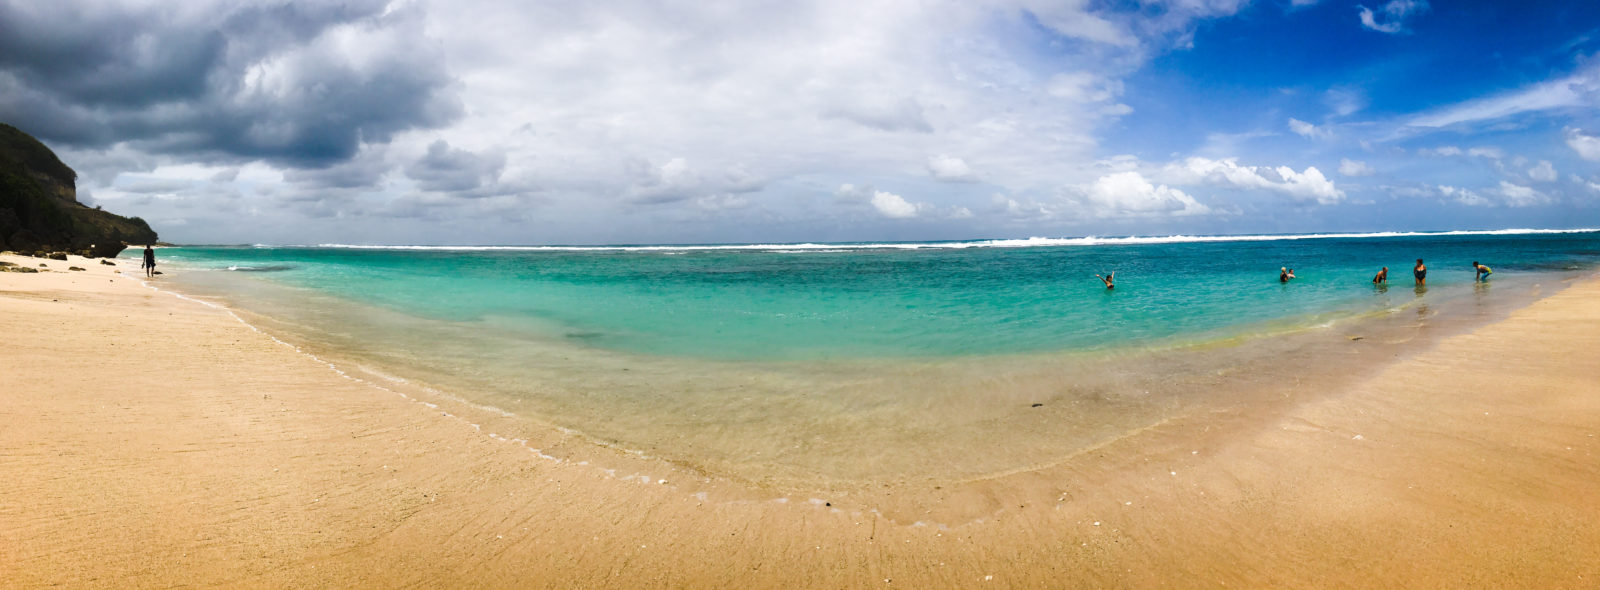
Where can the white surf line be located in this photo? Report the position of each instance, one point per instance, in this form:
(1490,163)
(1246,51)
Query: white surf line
(995,243)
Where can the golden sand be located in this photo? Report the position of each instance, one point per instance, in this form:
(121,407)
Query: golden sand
(146,440)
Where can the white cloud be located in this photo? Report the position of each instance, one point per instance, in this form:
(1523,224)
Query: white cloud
(1587,146)
(1345,100)
(1309,185)
(1129,194)
(1463,196)
(677,181)
(1395,14)
(1308,130)
(1543,172)
(1575,90)
(1492,153)
(1594,187)
(1521,196)
(1487,152)
(950,169)
(1083,87)
(893,205)
(1350,167)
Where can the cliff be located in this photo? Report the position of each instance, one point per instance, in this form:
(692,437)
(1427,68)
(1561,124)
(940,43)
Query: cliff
(39,208)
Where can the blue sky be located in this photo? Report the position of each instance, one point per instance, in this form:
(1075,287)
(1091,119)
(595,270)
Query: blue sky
(474,121)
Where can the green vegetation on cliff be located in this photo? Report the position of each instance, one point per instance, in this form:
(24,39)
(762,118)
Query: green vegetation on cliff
(39,210)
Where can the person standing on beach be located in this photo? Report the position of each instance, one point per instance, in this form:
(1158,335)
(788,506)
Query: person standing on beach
(1483,271)
(149,265)
(1382,277)
(1107,279)
(1421,272)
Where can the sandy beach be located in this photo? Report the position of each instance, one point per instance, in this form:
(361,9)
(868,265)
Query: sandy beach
(149,440)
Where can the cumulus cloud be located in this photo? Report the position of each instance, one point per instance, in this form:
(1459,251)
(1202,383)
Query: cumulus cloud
(444,168)
(1521,196)
(1307,185)
(893,205)
(1394,15)
(1543,172)
(1129,194)
(1308,130)
(950,169)
(628,114)
(304,85)
(1587,146)
(1350,167)
(1463,196)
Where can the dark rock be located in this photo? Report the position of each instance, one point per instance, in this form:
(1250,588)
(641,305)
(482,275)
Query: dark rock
(1037,405)
(18,269)
(108,263)
(43,265)
(24,241)
(157,272)
(76,268)
(57,256)
(105,249)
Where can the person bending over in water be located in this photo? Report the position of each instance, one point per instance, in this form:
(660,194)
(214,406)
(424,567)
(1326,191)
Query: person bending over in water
(1107,279)
(1382,277)
(149,265)
(1421,272)
(1483,271)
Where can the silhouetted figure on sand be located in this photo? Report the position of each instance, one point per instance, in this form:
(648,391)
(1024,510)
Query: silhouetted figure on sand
(149,265)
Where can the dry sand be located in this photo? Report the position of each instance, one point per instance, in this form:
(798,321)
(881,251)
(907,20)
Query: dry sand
(146,440)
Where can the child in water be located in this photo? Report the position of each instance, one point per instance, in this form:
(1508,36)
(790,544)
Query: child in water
(1483,271)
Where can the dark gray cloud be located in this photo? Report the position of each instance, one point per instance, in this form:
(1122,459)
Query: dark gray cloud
(301,85)
(444,169)
(365,170)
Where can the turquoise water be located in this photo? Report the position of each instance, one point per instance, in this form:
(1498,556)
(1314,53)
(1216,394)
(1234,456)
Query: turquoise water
(806,302)
(827,369)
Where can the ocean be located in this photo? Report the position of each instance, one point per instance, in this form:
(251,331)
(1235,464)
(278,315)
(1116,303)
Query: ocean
(830,368)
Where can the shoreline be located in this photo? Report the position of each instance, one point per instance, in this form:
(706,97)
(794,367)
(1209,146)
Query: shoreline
(997,439)
(211,454)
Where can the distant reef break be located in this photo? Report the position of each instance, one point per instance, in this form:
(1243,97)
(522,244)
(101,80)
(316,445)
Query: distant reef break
(39,208)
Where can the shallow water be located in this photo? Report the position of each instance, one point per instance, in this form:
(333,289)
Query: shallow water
(847,366)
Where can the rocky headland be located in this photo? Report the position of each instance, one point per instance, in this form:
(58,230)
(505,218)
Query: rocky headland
(39,209)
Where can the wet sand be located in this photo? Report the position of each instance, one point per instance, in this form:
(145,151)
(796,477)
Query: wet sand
(153,441)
